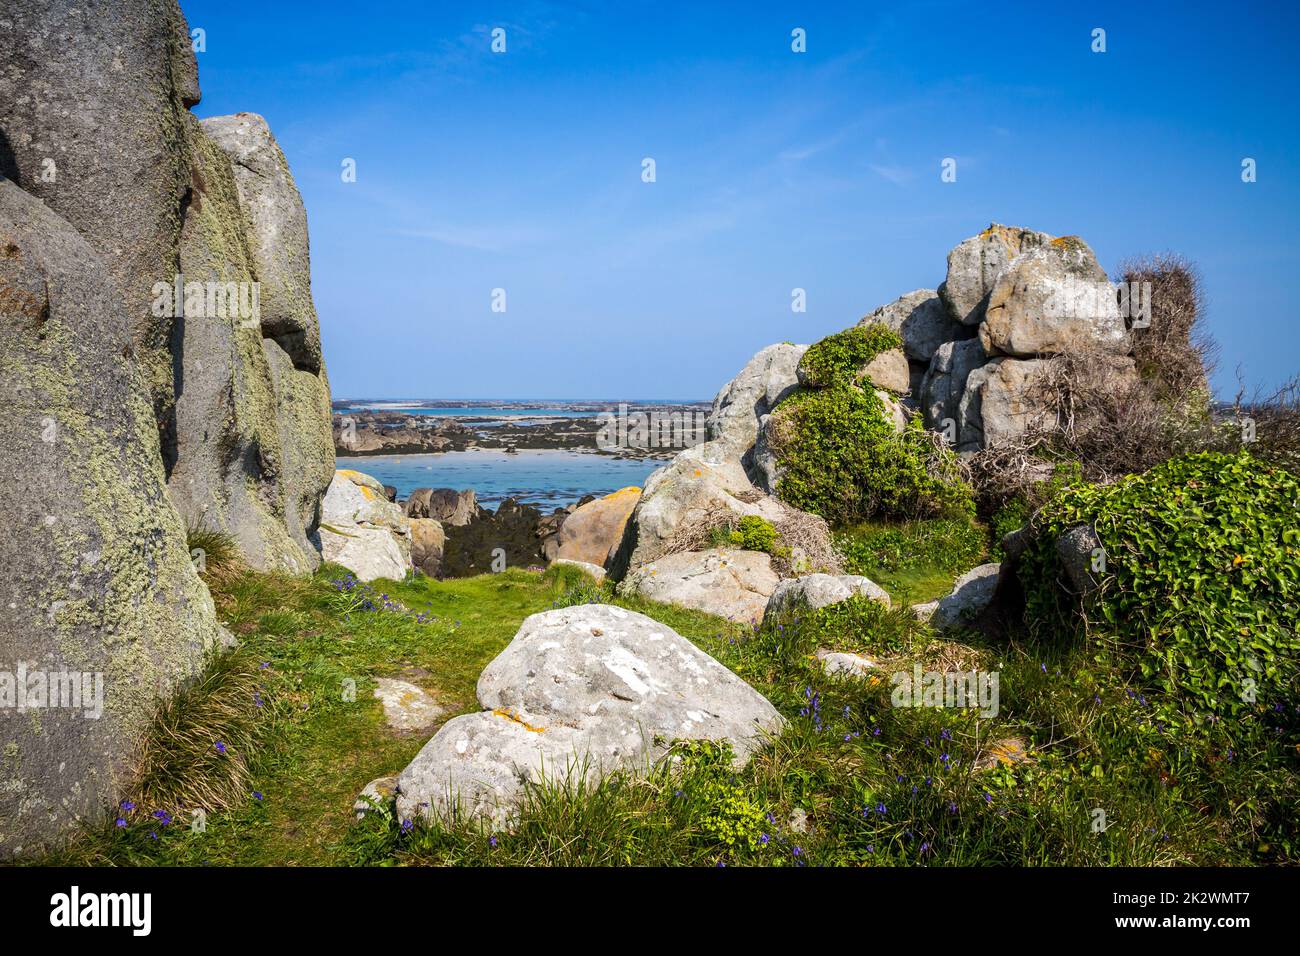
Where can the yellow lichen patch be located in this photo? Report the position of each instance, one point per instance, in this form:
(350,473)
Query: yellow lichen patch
(510,715)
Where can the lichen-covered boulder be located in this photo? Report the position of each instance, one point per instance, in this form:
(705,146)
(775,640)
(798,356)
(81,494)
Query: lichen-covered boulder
(922,321)
(595,530)
(975,264)
(732,584)
(227,464)
(362,530)
(1053,299)
(93,104)
(579,692)
(813,591)
(96,581)
(279,257)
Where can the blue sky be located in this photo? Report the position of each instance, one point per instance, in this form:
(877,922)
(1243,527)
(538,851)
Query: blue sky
(775,170)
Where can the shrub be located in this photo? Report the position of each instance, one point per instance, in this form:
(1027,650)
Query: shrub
(836,360)
(754,534)
(841,459)
(1201,587)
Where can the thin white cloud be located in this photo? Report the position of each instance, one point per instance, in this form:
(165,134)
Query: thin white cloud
(898,175)
(483,239)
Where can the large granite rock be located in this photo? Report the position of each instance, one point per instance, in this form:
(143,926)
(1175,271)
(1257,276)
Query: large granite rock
(923,322)
(1050,300)
(277,235)
(593,532)
(579,692)
(732,584)
(279,256)
(95,575)
(93,109)
(229,469)
(813,591)
(975,264)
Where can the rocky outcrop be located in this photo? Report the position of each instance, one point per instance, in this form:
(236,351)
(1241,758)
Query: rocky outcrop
(727,477)
(494,541)
(593,532)
(580,692)
(96,582)
(888,371)
(94,107)
(732,584)
(813,591)
(975,264)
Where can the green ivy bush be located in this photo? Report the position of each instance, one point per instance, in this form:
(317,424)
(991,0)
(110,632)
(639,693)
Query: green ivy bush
(836,360)
(1200,594)
(841,459)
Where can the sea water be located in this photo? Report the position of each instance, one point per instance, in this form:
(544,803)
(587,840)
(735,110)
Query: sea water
(541,477)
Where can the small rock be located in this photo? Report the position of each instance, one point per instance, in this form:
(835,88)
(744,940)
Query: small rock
(1004,753)
(849,665)
(595,570)
(923,612)
(407,708)
(813,591)
(799,820)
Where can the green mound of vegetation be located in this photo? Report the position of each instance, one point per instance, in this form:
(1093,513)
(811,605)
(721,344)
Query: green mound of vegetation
(837,449)
(1200,588)
(841,459)
(751,533)
(836,361)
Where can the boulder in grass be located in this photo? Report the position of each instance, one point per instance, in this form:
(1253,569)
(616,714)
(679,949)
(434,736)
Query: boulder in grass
(594,530)
(814,591)
(580,692)
(732,584)
(971,595)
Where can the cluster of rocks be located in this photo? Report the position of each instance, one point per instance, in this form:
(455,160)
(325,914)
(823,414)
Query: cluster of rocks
(161,368)
(446,533)
(978,346)
(663,553)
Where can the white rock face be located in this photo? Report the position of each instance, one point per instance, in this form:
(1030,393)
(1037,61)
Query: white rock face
(362,530)
(845,664)
(766,379)
(733,584)
(971,594)
(820,590)
(581,691)
(369,553)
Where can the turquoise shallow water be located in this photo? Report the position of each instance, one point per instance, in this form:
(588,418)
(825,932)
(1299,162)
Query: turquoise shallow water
(544,478)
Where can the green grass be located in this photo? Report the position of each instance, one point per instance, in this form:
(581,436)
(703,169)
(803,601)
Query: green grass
(847,752)
(915,561)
